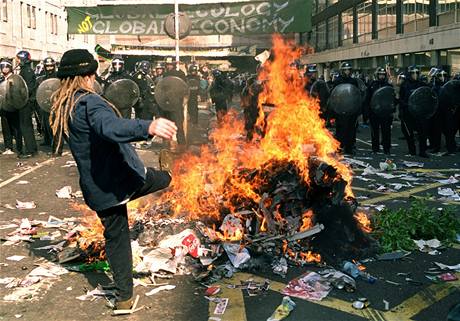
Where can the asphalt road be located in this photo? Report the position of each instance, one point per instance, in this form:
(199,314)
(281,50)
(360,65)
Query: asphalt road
(56,299)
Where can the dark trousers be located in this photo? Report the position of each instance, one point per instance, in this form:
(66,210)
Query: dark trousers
(27,128)
(193,108)
(46,128)
(443,123)
(11,129)
(380,125)
(116,234)
(346,132)
(144,109)
(409,126)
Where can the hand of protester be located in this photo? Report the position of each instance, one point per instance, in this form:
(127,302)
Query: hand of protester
(163,128)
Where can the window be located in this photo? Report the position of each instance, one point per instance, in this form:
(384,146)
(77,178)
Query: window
(53,24)
(448,12)
(365,21)
(3,10)
(321,36)
(333,30)
(31,17)
(415,15)
(386,20)
(347,25)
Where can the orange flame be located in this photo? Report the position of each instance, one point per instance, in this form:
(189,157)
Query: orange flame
(293,131)
(310,257)
(306,221)
(363,221)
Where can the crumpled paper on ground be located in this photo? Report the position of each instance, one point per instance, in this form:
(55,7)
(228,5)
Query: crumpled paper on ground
(236,255)
(428,246)
(25,205)
(160,288)
(309,286)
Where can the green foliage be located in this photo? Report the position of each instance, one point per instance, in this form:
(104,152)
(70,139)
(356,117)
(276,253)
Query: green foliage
(396,229)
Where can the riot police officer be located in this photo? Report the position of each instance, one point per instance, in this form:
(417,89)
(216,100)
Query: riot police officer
(193,81)
(443,121)
(25,114)
(159,71)
(178,115)
(311,74)
(249,103)
(49,71)
(409,124)
(118,72)
(345,125)
(218,92)
(379,123)
(9,119)
(145,106)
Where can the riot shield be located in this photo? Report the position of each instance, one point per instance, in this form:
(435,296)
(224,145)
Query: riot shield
(123,93)
(45,91)
(170,93)
(383,101)
(320,90)
(14,93)
(449,95)
(97,87)
(423,103)
(345,99)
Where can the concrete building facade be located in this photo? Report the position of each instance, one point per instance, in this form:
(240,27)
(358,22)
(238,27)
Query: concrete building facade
(39,26)
(372,33)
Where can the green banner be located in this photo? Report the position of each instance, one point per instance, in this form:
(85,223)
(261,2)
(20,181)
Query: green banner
(255,17)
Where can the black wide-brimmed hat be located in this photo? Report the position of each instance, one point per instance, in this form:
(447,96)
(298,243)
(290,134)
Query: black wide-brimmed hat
(77,62)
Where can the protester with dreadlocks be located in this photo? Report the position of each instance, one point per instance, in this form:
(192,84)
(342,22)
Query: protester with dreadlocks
(111,172)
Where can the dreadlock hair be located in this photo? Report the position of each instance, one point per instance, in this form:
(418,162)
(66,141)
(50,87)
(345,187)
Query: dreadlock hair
(64,104)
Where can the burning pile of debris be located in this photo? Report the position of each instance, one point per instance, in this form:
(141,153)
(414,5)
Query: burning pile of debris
(285,193)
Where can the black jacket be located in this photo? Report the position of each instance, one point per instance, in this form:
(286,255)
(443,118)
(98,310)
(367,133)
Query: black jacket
(110,169)
(407,88)
(28,74)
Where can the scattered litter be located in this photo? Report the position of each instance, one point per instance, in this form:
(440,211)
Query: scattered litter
(69,288)
(429,246)
(133,309)
(448,267)
(161,288)
(396,255)
(2,227)
(221,306)
(309,286)
(70,164)
(22,182)
(280,266)
(339,280)
(25,205)
(64,192)
(6,280)
(16,258)
(386,305)
(212,290)
(98,292)
(413,164)
(450,180)
(360,304)
(283,310)
(353,270)
(236,255)
(449,194)
(388,165)
(17,316)
(48,269)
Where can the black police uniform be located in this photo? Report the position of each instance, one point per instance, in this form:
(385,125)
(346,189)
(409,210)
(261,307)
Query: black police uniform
(249,102)
(345,125)
(379,123)
(25,113)
(409,124)
(443,122)
(194,87)
(145,106)
(219,94)
(176,116)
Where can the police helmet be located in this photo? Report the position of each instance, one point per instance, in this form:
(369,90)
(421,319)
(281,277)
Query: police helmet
(311,68)
(118,64)
(144,66)
(193,69)
(159,65)
(169,61)
(413,69)
(6,63)
(24,56)
(345,66)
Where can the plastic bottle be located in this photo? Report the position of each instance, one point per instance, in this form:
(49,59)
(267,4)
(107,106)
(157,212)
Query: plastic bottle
(353,270)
